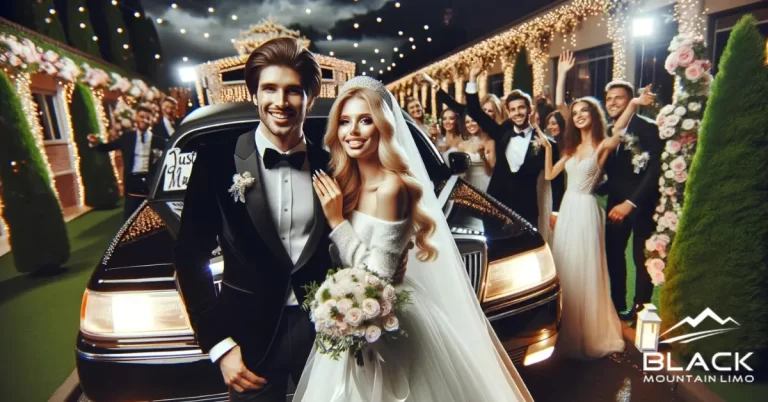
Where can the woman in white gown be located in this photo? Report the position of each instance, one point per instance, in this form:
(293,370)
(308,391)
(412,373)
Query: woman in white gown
(590,327)
(379,199)
(480,148)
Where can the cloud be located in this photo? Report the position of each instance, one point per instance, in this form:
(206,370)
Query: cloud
(221,28)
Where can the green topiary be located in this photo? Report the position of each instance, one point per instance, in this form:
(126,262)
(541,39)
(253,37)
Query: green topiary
(101,190)
(79,29)
(522,76)
(112,32)
(36,16)
(38,235)
(719,258)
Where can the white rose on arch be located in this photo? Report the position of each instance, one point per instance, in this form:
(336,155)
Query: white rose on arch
(680,111)
(688,124)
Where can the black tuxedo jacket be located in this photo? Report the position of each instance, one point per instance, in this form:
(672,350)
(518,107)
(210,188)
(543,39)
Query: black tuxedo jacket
(126,144)
(160,129)
(516,190)
(642,189)
(258,272)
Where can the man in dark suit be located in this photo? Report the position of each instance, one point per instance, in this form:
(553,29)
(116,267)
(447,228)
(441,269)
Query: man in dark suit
(273,242)
(168,123)
(633,194)
(141,151)
(519,161)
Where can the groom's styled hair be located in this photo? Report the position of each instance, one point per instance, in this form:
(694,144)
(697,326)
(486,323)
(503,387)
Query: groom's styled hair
(288,53)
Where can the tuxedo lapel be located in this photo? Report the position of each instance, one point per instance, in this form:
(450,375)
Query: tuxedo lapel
(318,159)
(247,160)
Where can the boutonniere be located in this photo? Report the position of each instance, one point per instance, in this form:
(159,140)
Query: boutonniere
(157,154)
(536,146)
(240,183)
(639,159)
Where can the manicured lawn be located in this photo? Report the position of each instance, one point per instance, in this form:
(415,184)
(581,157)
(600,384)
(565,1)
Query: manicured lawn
(40,316)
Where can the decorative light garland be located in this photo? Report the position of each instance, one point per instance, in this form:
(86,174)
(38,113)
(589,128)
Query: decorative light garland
(67,89)
(560,20)
(29,106)
(98,101)
(617,12)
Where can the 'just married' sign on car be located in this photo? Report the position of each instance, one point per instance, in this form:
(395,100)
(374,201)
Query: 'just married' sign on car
(177,169)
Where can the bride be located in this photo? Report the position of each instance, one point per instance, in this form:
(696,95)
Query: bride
(379,199)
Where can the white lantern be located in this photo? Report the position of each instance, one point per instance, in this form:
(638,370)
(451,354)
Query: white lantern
(647,329)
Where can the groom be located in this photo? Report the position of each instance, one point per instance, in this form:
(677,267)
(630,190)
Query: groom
(272,241)
(633,194)
(519,159)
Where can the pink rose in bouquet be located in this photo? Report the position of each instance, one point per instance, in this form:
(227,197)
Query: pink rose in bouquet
(685,56)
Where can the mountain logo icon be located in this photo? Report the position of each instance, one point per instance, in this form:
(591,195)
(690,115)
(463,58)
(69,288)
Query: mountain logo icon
(728,324)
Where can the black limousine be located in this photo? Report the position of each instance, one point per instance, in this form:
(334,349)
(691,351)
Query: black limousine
(135,341)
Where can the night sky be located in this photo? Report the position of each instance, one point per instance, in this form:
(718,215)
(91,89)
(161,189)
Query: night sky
(450,24)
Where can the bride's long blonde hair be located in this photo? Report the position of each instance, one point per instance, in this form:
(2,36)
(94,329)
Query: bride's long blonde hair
(346,172)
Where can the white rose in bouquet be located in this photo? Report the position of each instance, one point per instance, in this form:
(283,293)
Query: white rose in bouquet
(371,308)
(391,323)
(354,316)
(372,334)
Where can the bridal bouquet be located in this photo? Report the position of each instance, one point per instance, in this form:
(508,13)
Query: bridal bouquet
(353,308)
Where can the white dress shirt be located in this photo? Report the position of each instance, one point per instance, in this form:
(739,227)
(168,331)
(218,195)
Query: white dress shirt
(517,148)
(293,217)
(141,152)
(518,145)
(169,126)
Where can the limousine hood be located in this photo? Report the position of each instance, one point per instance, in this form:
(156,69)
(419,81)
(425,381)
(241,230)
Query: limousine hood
(140,256)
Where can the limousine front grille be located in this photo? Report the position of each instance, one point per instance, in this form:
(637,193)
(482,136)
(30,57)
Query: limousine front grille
(475,257)
(473,262)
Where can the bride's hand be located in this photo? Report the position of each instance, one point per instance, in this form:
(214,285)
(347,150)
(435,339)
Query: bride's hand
(331,197)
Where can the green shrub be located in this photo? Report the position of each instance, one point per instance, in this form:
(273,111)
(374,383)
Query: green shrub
(35,221)
(80,38)
(719,258)
(101,190)
(522,76)
(33,15)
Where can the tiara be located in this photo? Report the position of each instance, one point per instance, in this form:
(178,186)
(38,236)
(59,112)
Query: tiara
(362,81)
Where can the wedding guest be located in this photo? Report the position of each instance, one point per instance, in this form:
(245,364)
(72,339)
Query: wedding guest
(555,128)
(168,124)
(482,154)
(450,132)
(140,151)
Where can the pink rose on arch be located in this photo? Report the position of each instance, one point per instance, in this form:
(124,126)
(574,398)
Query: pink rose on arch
(655,265)
(667,132)
(678,165)
(705,64)
(670,191)
(671,63)
(681,177)
(671,219)
(650,244)
(660,208)
(657,277)
(661,248)
(673,147)
(685,56)
(14,61)
(660,119)
(694,72)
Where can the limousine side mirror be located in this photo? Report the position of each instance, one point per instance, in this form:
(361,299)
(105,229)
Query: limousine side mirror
(459,162)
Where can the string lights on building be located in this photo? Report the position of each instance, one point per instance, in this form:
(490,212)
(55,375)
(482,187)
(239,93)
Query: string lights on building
(67,89)
(98,102)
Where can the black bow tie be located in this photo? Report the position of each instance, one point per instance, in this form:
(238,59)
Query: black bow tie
(272,158)
(520,134)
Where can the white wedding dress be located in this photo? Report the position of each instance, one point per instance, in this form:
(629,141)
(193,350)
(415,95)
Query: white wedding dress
(590,327)
(433,363)
(476,175)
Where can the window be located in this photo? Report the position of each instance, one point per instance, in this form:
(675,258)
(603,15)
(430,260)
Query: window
(593,70)
(652,54)
(46,115)
(722,24)
(496,84)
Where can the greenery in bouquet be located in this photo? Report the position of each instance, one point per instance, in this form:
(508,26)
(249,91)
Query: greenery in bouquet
(679,125)
(353,308)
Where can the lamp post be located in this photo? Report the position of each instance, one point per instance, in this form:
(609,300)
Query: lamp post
(642,27)
(188,75)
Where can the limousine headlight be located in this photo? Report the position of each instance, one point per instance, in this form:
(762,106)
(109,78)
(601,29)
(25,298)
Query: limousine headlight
(133,314)
(518,273)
